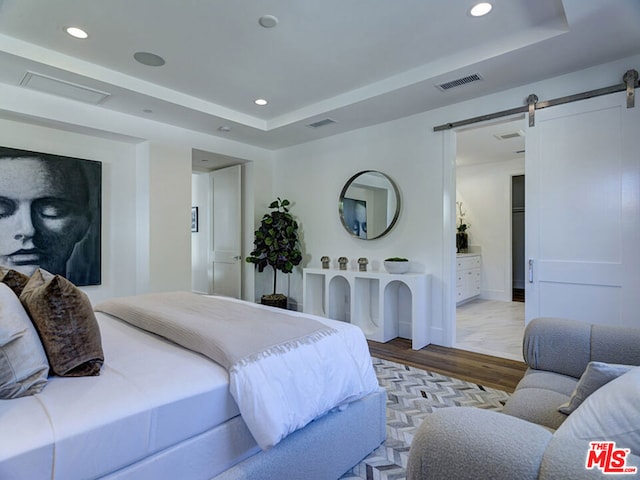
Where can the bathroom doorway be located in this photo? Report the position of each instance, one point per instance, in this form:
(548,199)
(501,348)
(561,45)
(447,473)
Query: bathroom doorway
(490,169)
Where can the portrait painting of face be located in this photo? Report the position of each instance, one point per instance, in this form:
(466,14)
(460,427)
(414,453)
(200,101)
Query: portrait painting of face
(50,215)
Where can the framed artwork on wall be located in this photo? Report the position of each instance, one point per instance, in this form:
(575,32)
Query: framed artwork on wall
(194,219)
(51,214)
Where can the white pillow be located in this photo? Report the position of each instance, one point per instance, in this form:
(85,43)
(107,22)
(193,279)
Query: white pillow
(23,364)
(611,413)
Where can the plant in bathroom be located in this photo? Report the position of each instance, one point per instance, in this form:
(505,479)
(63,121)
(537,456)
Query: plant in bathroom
(462,239)
(276,244)
(462,225)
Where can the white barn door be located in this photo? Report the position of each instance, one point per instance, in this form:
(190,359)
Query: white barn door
(583,212)
(226,232)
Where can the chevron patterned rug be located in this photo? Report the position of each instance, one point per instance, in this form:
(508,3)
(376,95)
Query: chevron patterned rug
(412,394)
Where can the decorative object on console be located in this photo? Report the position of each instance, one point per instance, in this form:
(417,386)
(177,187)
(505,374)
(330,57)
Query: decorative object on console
(396,265)
(462,238)
(343,261)
(276,244)
(362,264)
(325,262)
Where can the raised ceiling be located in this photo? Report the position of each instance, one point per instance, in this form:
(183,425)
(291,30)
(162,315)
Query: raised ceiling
(356,62)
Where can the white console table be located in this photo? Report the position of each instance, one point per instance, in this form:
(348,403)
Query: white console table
(383,305)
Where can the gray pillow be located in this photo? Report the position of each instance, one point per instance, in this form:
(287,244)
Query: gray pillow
(23,363)
(595,376)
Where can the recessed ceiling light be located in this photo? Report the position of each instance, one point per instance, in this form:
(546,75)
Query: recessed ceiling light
(77,32)
(480,9)
(149,59)
(260,101)
(268,21)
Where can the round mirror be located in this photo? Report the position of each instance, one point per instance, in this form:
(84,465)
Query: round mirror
(369,205)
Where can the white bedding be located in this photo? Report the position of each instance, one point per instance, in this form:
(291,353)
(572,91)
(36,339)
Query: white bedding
(305,383)
(149,396)
(283,380)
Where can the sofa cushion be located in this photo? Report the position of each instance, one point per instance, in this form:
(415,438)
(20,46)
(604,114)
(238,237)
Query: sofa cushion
(472,443)
(558,345)
(64,319)
(23,363)
(555,382)
(595,376)
(537,405)
(625,339)
(610,414)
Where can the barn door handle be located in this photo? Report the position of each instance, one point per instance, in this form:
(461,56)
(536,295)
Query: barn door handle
(531,270)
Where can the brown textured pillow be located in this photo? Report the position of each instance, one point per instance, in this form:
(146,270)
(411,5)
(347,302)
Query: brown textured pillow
(15,280)
(64,318)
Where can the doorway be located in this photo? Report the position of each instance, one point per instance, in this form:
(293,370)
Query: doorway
(217,218)
(490,168)
(517,238)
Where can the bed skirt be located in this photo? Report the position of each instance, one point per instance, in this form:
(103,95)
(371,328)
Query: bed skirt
(325,449)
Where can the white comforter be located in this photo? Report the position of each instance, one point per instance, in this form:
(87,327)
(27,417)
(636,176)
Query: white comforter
(279,394)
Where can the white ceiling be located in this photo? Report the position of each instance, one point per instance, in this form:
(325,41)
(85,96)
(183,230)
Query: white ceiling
(358,62)
(500,141)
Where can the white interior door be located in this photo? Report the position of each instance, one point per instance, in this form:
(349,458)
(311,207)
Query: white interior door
(583,212)
(226,258)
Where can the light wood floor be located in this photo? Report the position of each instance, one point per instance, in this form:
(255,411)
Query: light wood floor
(486,370)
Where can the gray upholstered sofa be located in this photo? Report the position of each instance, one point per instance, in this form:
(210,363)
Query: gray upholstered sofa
(531,439)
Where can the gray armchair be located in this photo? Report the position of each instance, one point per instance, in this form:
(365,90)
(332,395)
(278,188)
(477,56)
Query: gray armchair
(521,442)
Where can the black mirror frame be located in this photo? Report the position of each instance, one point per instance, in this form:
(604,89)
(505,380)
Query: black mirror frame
(341,206)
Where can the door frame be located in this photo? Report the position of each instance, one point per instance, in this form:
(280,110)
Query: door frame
(449,296)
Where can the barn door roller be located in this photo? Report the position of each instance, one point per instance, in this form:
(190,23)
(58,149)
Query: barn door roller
(630,83)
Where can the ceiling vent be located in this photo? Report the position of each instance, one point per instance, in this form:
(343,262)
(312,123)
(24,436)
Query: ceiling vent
(459,82)
(509,135)
(321,123)
(55,86)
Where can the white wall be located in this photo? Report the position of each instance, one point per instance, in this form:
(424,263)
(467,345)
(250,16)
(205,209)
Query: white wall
(146,209)
(118,196)
(485,191)
(170,218)
(421,162)
(312,176)
(146,235)
(200,197)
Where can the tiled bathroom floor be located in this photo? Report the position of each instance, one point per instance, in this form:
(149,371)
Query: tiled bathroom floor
(491,327)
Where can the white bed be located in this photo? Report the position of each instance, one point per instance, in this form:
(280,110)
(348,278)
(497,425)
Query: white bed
(160,411)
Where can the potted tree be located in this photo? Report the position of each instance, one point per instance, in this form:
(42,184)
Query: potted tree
(276,244)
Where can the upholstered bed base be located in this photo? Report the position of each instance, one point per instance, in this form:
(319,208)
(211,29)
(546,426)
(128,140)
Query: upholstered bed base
(324,449)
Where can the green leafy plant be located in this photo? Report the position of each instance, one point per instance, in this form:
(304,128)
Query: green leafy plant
(276,242)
